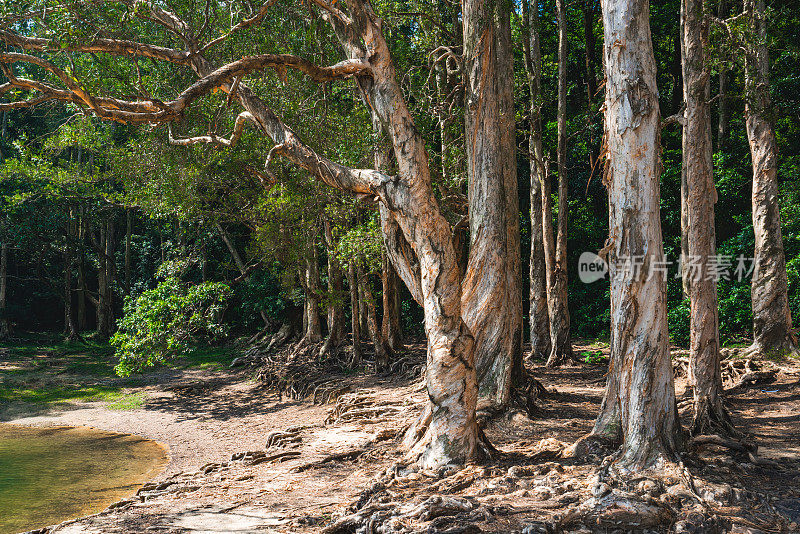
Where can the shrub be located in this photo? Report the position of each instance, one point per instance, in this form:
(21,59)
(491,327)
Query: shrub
(163,322)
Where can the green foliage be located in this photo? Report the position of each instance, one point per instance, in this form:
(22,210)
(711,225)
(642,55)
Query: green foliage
(162,323)
(679,319)
(594,357)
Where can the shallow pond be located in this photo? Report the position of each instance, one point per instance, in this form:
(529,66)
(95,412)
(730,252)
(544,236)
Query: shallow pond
(49,475)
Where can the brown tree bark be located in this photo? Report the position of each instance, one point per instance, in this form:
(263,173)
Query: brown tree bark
(556,254)
(638,409)
(710,415)
(539,317)
(772,320)
(128,236)
(492,295)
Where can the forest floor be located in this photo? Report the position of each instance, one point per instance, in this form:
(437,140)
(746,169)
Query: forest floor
(246,459)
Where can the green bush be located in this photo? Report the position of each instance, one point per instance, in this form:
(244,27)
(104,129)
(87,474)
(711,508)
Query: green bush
(162,323)
(679,319)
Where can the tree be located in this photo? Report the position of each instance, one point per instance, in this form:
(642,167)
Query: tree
(539,318)
(772,320)
(638,410)
(447,431)
(701,195)
(555,249)
(492,298)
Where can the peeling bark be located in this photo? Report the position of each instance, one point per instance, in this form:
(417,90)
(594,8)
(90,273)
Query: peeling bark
(556,253)
(492,296)
(772,320)
(710,415)
(639,408)
(539,317)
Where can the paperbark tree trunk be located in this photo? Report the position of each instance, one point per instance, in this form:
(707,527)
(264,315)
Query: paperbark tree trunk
(335,296)
(5,324)
(639,408)
(561,346)
(492,295)
(355,323)
(701,195)
(772,320)
(539,317)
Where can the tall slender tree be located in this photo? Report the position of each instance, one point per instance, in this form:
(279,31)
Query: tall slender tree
(638,409)
(556,247)
(701,195)
(772,320)
(539,318)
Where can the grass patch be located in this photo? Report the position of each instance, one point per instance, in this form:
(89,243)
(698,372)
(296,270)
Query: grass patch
(45,395)
(127,401)
(211,358)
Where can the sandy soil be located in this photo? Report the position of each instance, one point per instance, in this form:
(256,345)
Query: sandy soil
(243,460)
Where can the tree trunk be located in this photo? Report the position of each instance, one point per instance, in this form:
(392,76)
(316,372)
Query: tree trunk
(390,323)
(70,329)
(83,290)
(724,112)
(105,279)
(539,318)
(772,320)
(639,406)
(704,369)
(561,346)
(355,323)
(492,296)
(128,234)
(383,353)
(335,295)
(5,324)
(313,331)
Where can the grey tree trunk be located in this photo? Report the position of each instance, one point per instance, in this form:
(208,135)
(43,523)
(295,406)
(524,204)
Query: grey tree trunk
(70,328)
(492,295)
(772,320)
(128,236)
(352,281)
(539,317)
(701,195)
(638,409)
(561,346)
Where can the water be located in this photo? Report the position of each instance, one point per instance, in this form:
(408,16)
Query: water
(49,475)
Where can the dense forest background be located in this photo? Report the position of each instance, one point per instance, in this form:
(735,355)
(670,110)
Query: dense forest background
(97,214)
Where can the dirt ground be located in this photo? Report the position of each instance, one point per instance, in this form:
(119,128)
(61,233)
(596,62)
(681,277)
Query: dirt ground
(243,459)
